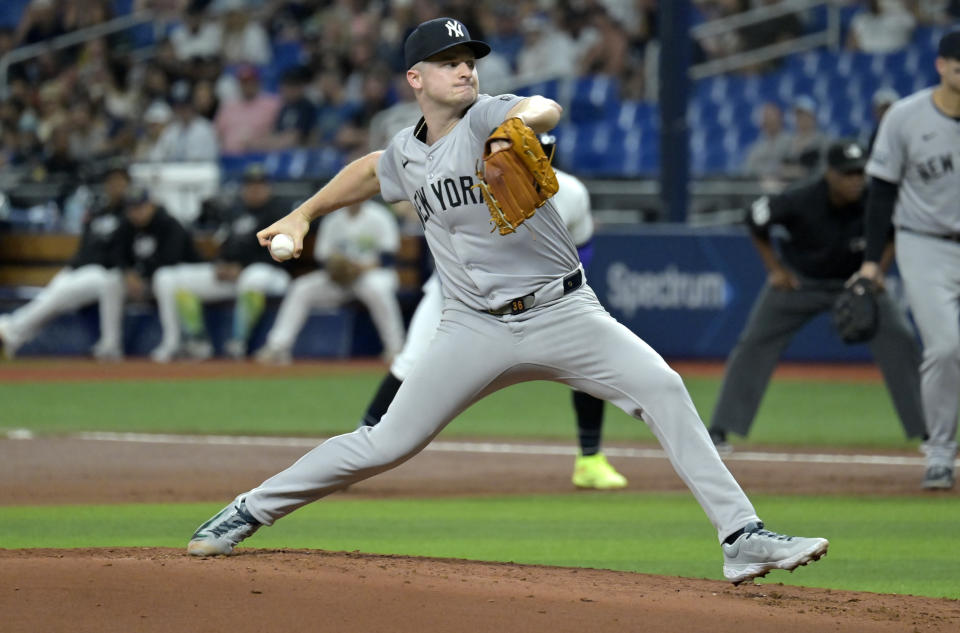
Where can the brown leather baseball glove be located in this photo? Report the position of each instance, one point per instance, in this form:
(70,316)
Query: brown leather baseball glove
(341,270)
(517,180)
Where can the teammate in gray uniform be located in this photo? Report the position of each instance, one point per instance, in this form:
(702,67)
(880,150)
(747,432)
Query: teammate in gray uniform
(915,181)
(516,308)
(591,469)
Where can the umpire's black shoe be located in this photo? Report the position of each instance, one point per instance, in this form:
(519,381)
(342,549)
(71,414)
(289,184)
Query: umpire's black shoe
(719,438)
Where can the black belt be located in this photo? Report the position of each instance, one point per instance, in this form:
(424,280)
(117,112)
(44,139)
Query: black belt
(950,237)
(521,304)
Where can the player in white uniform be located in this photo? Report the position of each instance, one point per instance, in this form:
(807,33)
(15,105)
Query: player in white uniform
(915,170)
(591,468)
(515,308)
(241,272)
(365,238)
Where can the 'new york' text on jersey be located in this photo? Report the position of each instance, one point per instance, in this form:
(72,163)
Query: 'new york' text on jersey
(481,268)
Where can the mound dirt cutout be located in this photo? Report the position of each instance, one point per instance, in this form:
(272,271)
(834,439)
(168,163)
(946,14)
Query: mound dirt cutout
(163,590)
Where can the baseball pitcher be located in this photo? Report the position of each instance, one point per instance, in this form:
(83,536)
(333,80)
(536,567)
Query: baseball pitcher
(516,308)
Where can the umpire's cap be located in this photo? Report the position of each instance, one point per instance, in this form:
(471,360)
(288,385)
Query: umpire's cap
(950,46)
(847,156)
(436,36)
(255,172)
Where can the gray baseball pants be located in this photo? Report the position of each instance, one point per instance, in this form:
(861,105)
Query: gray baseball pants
(776,316)
(572,340)
(930,268)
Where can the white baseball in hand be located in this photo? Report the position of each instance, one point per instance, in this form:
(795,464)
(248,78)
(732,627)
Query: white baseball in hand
(281,246)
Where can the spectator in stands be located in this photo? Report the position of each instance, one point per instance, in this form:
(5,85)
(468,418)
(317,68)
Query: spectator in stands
(9,118)
(334,110)
(60,166)
(155,119)
(285,19)
(51,108)
(355,246)
(81,15)
(91,276)
(156,84)
(245,40)
(297,114)
(807,142)
(226,86)
(176,69)
(242,272)
(7,42)
(90,66)
(188,137)
(506,36)
(766,155)
(197,35)
(205,100)
(609,52)
(881,26)
(242,122)
(882,100)
(548,52)
(27,152)
(353,138)
(41,21)
(121,101)
(149,240)
(88,131)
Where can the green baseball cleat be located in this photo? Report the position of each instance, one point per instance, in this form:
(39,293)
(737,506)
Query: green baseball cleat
(594,471)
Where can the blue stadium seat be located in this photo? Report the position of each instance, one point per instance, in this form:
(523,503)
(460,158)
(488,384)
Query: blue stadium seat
(123,7)
(632,114)
(285,55)
(549,89)
(593,98)
(12,13)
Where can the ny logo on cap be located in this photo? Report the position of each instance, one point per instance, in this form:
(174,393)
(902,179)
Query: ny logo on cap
(454,28)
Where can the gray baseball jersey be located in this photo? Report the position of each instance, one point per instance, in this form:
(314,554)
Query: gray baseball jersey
(438,179)
(572,202)
(918,148)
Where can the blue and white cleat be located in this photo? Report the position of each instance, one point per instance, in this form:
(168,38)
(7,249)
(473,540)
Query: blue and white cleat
(224,531)
(758,551)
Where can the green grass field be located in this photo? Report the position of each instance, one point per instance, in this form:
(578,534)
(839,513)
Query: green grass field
(798,412)
(896,545)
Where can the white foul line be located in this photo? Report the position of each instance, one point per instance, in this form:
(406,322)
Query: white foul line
(500,448)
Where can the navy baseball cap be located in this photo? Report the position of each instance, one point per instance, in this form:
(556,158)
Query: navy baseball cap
(436,36)
(136,195)
(950,46)
(847,156)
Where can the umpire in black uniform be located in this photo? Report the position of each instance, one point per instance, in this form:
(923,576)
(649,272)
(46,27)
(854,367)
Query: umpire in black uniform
(823,247)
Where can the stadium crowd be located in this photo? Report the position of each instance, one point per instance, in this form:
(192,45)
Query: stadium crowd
(210,78)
